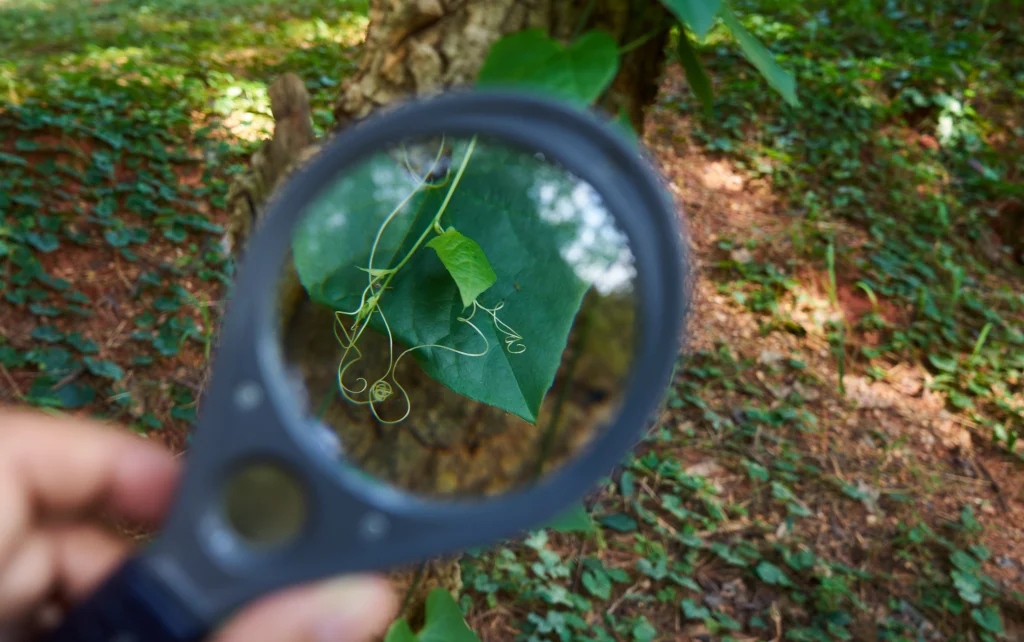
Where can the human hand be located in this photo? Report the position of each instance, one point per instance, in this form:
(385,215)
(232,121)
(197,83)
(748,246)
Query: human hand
(58,476)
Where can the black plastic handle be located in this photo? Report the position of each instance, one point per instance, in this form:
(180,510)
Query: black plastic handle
(131,606)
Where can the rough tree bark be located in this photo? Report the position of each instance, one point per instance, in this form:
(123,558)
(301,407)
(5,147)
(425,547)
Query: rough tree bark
(415,48)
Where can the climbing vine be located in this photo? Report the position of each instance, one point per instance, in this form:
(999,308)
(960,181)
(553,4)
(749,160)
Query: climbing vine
(467,264)
(458,257)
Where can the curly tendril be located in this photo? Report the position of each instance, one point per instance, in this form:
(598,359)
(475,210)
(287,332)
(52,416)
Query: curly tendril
(381,390)
(378,279)
(513,340)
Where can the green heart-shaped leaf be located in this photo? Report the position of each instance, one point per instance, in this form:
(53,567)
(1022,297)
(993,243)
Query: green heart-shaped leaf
(498,204)
(575,519)
(444,622)
(578,73)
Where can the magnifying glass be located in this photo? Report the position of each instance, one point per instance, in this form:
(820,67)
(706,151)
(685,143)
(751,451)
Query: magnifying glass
(450,324)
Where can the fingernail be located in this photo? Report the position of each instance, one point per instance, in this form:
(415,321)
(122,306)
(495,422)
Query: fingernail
(347,604)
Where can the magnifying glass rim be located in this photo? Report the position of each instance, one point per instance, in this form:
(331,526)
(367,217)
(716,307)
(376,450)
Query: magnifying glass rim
(529,122)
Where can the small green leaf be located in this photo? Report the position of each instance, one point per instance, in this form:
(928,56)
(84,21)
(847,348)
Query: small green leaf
(43,310)
(727,622)
(756,471)
(772,574)
(685,582)
(797,509)
(166,342)
(399,631)
(945,364)
(166,304)
(618,575)
(185,413)
(618,522)
(694,611)
(780,79)
(626,485)
(56,283)
(969,522)
(656,570)
(118,237)
(466,262)
(144,320)
(802,559)
(70,396)
(47,334)
(149,420)
(967,585)
(51,359)
(11,159)
(107,369)
(964,562)
(444,622)
(727,554)
(988,619)
(696,75)
(981,551)
(11,358)
(45,242)
(176,233)
(597,583)
(644,631)
(698,15)
(82,344)
(578,73)
(76,297)
(781,492)
(574,520)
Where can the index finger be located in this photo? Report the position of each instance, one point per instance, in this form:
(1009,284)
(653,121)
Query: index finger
(64,464)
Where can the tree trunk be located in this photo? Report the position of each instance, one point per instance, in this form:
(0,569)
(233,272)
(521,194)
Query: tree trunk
(415,48)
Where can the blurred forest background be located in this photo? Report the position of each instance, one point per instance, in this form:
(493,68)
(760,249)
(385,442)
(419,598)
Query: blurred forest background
(839,457)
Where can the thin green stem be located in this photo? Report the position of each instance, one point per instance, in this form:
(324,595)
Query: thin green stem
(842,361)
(584,17)
(326,403)
(548,440)
(416,580)
(980,343)
(830,258)
(641,41)
(437,217)
(367,309)
(400,206)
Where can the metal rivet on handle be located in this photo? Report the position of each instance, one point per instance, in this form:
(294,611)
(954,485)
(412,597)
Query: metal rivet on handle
(248,396)
(374,526)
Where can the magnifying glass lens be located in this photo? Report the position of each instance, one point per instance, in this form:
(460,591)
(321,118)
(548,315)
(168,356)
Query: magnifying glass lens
(458,316)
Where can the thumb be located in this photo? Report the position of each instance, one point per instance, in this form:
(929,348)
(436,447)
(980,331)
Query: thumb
(348,609)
